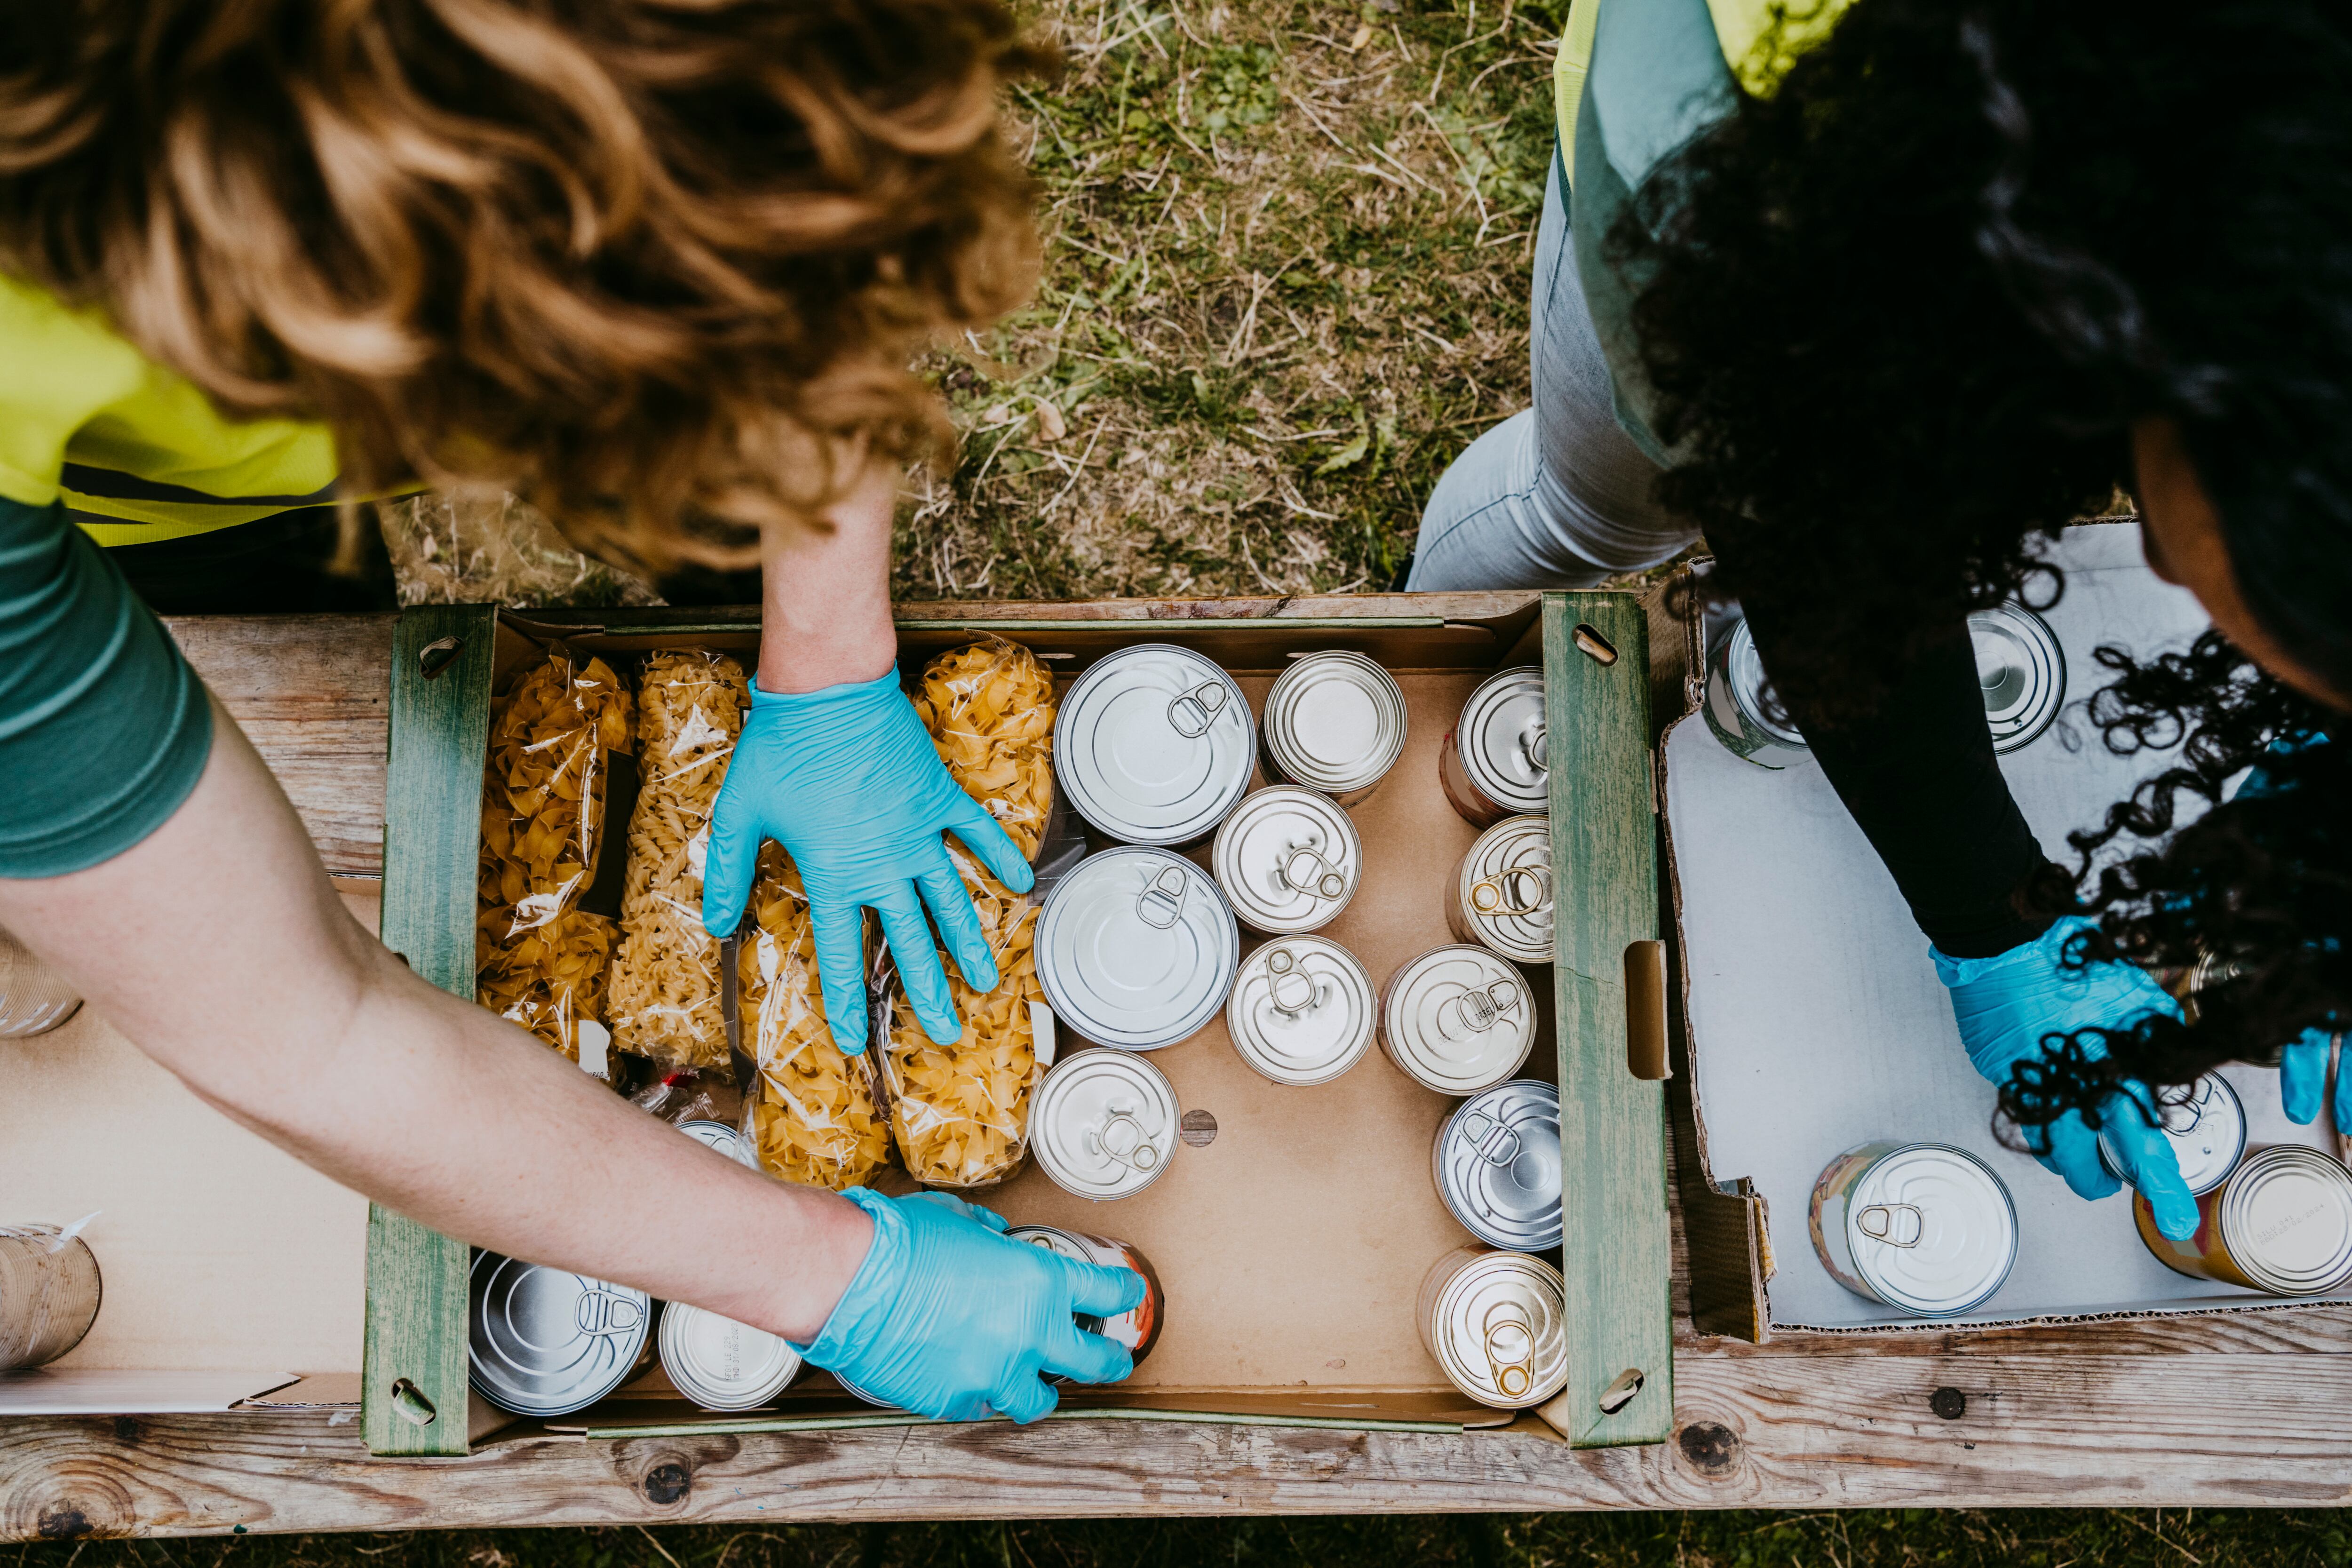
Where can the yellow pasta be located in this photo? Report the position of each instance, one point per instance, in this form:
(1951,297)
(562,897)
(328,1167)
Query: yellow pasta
(665,991)
(815,1120)
(990,710)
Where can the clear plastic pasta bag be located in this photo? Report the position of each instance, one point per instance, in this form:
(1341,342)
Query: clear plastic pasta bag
(664,999)
(990,710)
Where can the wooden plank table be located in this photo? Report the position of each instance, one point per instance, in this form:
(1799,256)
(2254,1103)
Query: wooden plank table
(2249,1408)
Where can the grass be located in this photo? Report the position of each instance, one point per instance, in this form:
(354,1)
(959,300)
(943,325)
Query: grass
(1881,1539)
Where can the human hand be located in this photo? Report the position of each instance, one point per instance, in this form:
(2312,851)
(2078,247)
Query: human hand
(848,781)
(2302,1080)
(948,1318)
(2009,1005)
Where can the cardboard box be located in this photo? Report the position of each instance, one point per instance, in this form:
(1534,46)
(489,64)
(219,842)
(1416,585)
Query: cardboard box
(1813,1020)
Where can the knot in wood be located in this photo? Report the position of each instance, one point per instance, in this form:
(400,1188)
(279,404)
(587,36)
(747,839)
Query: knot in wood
(1198,1129)
(1712,1448)
(1949,1402)
(667,1484)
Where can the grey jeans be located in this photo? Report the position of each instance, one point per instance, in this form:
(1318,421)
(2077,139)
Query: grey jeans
(1556,496)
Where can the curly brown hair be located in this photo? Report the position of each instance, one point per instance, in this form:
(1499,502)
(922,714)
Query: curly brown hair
(658,263)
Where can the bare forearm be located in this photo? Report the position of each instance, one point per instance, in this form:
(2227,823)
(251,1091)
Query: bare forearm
(826,611)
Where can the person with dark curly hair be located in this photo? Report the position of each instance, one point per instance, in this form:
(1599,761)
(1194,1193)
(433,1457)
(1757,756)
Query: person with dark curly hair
(1877,298)
(659,265)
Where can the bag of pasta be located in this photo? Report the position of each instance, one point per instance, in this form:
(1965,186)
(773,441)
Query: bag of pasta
(990,710)
(815,1120)
(665,995)
(961,1112)
(538,959)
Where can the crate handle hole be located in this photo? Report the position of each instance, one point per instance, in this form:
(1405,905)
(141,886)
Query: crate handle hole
(408,1403)
(1595,646)
(1620,1393)
(1645,1010)
(439,655)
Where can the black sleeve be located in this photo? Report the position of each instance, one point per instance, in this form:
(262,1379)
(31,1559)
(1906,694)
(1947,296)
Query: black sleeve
(1920,778)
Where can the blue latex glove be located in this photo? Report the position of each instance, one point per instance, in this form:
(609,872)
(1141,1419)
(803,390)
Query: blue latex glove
(948,1318)
(2006,1005)
(2303,1066)
(848,781)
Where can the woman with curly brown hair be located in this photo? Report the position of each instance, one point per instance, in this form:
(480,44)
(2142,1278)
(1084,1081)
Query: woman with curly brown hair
(658,264)
(1879,297)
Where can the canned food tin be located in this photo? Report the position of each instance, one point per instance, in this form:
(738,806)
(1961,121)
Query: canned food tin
(1496,763)
(2206,1131)
(1154,744)
(1302,1011)
(1103,1124)
(49,1293)
(1736,709)
(1496,1323)
(726,1140)
(722,1364)
(1136,949)
(1503,891)
(1139,1327)
(547,1341)
(1334,722)
(2282,1223)
(34,998)
(1288,859)
(1925,1228)
(1497,1161)
(2023,671)
(1458,1019)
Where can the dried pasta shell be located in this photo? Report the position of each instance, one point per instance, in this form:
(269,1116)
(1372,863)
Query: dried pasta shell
(815,1120)
(990,710)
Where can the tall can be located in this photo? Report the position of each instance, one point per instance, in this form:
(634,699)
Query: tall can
(1137,1328)
(2282,1223)
(1496,1323)
(49,1293)
(1103,1124)
(721,1364)
(1334,722)
(1925,1228)
(1458,1019)
(1496,761)
(1502,895)
(1302,1011)
(1154,745)
(2206,1131)
(1287,860)
(547,1341)
(1496,1162)
(1739,709)
(1137,949)
(34,998)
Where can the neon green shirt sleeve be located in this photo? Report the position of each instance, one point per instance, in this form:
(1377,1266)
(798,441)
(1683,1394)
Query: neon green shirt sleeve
(104,729)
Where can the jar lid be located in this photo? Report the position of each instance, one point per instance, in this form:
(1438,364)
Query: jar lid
(1154,744)
(1136,949)
(1931,1229)
(1103,1124)
(1458,1019)
(1498,1164)
(1500,1330)
(2023,672)
(547,1341)
(1502,742)
(1504,886)
(722,1364)
(2286,1218)
(1335,721)
(1302,1010)
(1288,860)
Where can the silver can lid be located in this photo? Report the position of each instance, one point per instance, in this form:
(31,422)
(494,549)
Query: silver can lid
(1458,1019)
(1302,1011)
(1103,1124)
(1931,1229)
(1498,1164)
(1505,889)
(547,1341)
(1744,678)
(1502,742)
(1499,1329)
(727,1140)
(1136,949)
(2286,1218)
(1288,860)
(2206,1131)
(2023,672)
(722,1364)
(1154,744)
(1335,721)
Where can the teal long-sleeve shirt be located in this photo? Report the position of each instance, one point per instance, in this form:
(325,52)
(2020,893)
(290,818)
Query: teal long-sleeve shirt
(104,727)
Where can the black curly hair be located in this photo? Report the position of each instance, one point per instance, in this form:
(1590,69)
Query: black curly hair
(1900,316)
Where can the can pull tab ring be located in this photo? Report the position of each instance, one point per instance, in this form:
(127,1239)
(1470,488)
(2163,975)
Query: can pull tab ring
(1497,1146)
(1476,1010)
(1193,713)
(1290,991)
(1507,1334)
(606,1312)
(1897,1224)
(1162,903)
(1305,871)
(1513,890)
(1535,744)
(1134,1149)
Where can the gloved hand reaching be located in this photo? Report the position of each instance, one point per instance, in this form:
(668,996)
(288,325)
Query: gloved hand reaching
(2303,1065)
(849,781)
(2007,1005)
(948,1318)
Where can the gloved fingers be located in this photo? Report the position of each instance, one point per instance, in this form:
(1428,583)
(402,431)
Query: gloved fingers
(2150,1165)
(2303,1075)
(1089,1357)
(918,963)
(948,1201)
(2342,1104)
(2072,1151)
(840,933)
(730,860)
(1025,1397)
(1099,1290)
(969,821)
(950,906)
